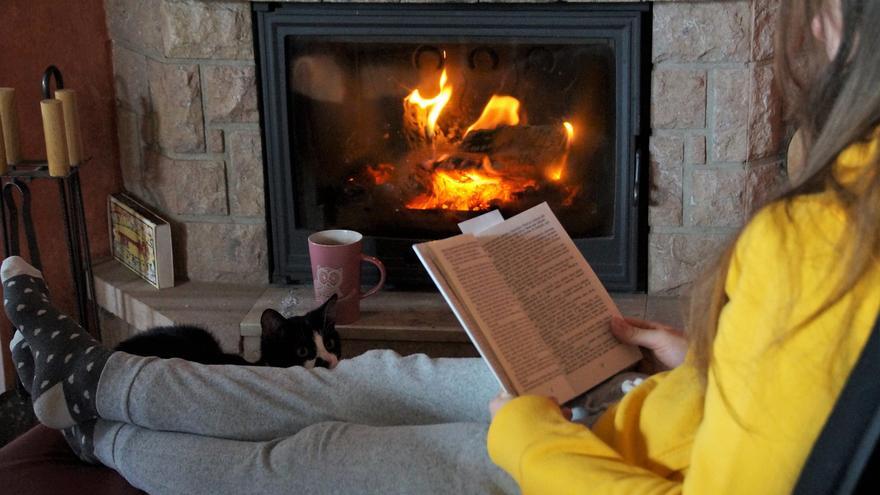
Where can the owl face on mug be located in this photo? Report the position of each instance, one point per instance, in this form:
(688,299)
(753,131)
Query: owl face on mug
(328,280)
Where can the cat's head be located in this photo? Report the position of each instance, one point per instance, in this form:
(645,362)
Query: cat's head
(308,340)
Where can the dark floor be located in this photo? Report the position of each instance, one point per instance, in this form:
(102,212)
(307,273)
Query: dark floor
(16,415)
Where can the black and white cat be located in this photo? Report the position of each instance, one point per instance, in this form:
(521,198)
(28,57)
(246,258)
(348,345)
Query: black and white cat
(309,340)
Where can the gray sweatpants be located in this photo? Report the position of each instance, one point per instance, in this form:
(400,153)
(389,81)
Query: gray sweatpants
(378,423)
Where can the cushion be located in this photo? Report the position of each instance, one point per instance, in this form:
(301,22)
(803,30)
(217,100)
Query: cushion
(40,462)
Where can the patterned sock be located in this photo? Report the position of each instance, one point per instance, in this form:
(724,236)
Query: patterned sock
(23,360)
(67,360)
(80,438)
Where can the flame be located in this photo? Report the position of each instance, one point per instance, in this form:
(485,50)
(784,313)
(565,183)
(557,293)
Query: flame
(555,173)
(433,105)
(501,110)
(481,185)
(569,130)
(469,190)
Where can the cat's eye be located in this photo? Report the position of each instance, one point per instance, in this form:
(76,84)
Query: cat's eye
(331,344)
(302,352)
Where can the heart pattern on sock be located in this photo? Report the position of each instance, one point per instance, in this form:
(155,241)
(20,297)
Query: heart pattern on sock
(80,438)
(58,384)
(23,359)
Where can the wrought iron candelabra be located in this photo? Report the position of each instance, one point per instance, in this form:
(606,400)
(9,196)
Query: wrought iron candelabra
(62,165)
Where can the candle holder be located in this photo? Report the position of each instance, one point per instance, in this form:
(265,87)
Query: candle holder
(17,177)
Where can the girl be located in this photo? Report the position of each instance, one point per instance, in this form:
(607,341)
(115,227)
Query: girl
(776,327)
(774,332)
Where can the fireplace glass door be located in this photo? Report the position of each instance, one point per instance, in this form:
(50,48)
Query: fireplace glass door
(408,138)
(400,123)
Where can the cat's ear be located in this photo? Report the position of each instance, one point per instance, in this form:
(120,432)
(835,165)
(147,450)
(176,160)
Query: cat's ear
(325,315)
(271,322)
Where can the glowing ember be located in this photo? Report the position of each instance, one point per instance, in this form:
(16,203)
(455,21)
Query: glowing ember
(501,110)
(467,190)
(381,173)
(434,106)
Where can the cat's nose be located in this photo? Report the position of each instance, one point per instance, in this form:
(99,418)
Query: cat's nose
(329,363)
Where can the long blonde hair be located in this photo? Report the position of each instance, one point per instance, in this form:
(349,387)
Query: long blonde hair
(835,104)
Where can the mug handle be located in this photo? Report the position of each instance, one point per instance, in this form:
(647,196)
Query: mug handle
(381,267)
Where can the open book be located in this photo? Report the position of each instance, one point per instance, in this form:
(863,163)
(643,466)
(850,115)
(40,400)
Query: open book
(530,303)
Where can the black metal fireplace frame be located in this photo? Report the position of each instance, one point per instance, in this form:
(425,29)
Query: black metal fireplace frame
(620,260)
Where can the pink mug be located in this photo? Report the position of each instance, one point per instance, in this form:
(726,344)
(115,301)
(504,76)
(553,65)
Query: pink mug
(336,269)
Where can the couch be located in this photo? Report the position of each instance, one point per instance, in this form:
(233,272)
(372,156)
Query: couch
(39,462)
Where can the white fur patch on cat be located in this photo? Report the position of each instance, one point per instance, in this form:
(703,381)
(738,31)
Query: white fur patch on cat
(324,354)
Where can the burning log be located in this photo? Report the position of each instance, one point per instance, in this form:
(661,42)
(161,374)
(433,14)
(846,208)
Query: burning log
(521,145)
(419,133)
(456,161)
(461,181)
(420,116)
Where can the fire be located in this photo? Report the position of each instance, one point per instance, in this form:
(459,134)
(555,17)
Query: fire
(569,130)
(493,168)
(468,190)
(555,173)
(434,105)
(501,110)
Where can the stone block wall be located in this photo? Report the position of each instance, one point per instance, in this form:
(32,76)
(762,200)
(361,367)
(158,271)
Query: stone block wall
(716,130)
(190,144)
(189,132)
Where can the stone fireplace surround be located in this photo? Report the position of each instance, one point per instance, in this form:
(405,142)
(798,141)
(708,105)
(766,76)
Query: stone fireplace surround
(189,132)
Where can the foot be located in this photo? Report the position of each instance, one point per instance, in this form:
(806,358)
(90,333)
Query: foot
(80,439)
(67,360)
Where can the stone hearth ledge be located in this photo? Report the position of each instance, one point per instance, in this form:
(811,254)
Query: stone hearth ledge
(408,322)
(218,307)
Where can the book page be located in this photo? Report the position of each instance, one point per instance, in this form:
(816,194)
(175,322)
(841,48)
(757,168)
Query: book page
(531,304)
(464,315)
(560,294)
(525,360)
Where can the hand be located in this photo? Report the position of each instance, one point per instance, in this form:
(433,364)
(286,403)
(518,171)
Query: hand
(503,398)
(668,345)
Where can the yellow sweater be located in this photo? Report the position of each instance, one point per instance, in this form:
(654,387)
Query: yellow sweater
(772,388)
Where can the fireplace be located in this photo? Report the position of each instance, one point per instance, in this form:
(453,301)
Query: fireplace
(402,121)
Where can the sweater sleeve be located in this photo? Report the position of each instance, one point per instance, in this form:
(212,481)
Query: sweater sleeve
(545,453)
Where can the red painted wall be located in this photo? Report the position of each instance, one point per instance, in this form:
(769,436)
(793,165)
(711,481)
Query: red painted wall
(73,36)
